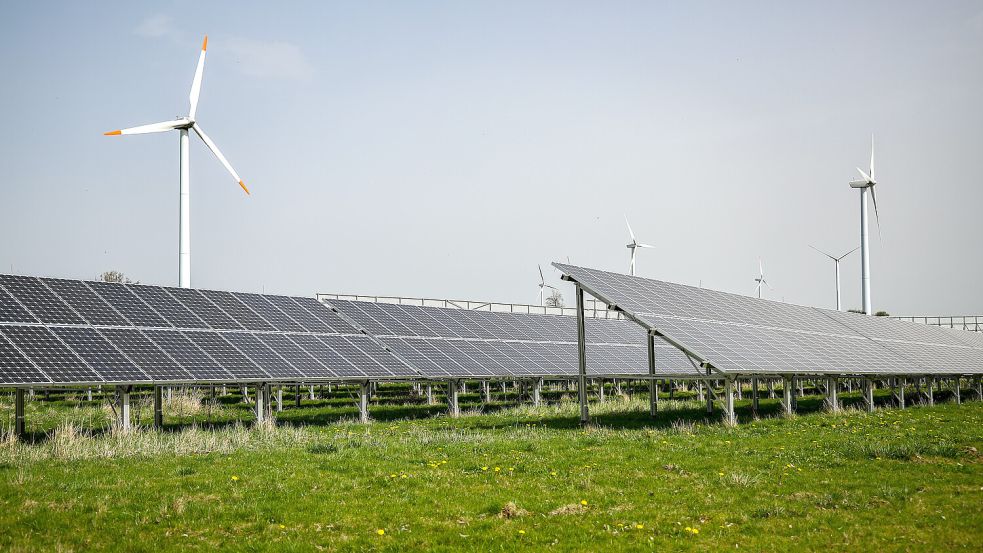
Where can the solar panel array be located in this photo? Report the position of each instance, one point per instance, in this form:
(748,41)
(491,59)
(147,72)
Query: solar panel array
(741,334)
(76,332)
(467,343)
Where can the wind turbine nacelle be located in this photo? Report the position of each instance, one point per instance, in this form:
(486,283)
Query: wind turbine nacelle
(859,184)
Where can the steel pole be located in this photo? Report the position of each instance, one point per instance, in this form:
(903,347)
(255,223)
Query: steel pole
(581,358)
(184,238)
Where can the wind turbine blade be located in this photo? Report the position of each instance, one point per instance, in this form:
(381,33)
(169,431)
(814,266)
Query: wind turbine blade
(866,177)
(758,287)
(632,234)
(196,84)
(821,251)
(848,253)
(643,246)
(211,146)
(146,129)
(877,217)
(766,284)
(541,279)
(761,269)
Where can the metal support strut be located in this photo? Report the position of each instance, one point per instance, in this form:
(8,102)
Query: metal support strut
(653,388)
(20,427)
(581,358)
(158,407)
(453,407)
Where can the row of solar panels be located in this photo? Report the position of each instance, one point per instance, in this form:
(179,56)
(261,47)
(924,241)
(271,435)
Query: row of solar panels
(429,337)
(70,331)
(738,334)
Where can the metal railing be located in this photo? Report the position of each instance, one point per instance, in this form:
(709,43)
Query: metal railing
(592,307)
(973,323)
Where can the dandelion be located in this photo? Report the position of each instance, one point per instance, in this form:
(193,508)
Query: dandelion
(639,526)
(522,532)
(381,532)
(484,468)
(720,474)
(498,469)
(583,502)
(235,478)
(282,527)
(553,473)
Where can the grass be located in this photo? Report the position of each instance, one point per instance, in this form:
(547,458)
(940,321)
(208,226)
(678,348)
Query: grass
(504,477)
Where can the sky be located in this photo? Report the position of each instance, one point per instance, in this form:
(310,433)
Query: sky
(445,149)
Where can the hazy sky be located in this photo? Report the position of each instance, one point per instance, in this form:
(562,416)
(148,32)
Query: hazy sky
(444,149)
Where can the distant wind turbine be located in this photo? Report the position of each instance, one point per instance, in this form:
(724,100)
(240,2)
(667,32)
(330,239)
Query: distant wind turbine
(633,245)
(836,263)
(182,124)
(761,279)
(542,287)
(864,184)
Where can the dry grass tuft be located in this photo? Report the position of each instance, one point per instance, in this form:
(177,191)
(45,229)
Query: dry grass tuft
(511,510)
(571,509)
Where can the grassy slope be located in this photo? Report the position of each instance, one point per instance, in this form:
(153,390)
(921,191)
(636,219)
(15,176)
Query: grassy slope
(893,480)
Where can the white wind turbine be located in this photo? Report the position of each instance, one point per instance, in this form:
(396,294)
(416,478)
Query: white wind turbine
(182,124)
(633,245)
(542,287)
(836,262)
(866,183)
(761,280)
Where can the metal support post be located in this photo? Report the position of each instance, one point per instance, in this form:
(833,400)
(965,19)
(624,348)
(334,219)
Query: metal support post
(537,388)
(452,405)
(124,407)
(754,395)
(486,388)
(158,408)
(279,399)
(260,402)
(771,388)
(600,390)
(581,358)
(653,388)
(429,394)
(832,403)
(930,391)
(310,394)
(709,397)
(957,391)
(297,396)
(363,402)
(868,391)
(788,393)
(20,422)
(729,401)
(901,387)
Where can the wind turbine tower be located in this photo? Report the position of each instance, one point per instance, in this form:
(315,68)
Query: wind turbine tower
(867,182)
(836,262)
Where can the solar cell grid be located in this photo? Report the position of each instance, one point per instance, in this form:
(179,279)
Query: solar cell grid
(269,312)
(15,368)
(85,302)
(195,362)
(326,355)
(49,354)
(103,357)
(201,306)
(296,312)
(128,304)
(307,365)
(259,353)
(153,361)
(323,313)
(373,360)
(166,306)
(238,311)
(413,351)
(11,311)
(360,318)
(227,355)
(39,300)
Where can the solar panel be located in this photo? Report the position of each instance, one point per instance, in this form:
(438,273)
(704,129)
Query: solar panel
(306,365)
(103,357)
(373,359)
(49,354)
(85,302)
(15,368)
(269,312)
(294,310)
(11,311)
(151,359)
(325,315)
(39,300)
(326,355)
(227,356)
(412,351)
(241,313)
(128,304)
(742,334)
(272,363)
(204,309)
(166,306)
(198,365)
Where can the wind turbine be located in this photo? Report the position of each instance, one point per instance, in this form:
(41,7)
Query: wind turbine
(864,184)
(633,245)
(542,287)
(836,262)
(761,280)
(182,124)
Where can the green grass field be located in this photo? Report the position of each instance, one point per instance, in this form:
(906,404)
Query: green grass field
(509,478)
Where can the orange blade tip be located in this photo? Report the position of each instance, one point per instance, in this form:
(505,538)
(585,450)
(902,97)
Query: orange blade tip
(244,188)
(112,133)
(204,45)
